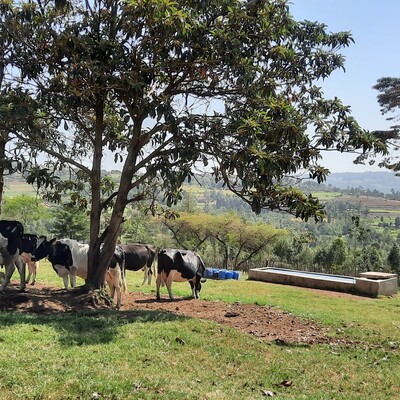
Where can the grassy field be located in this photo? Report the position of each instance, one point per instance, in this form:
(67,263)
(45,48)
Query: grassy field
(109,355)
(17,188)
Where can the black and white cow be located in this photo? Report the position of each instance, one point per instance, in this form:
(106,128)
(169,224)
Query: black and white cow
(10,236)
(180,266)
(140,256)
(69,259)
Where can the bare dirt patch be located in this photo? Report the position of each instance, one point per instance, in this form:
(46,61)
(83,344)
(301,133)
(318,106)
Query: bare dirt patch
(266,323)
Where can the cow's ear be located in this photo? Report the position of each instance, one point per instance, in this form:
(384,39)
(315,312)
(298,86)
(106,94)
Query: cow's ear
(52,241)
(40,240)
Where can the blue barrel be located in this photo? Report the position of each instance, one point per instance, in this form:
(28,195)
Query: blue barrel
(208,273)
(236,275)
(229,275)
(222,274)
(215,274)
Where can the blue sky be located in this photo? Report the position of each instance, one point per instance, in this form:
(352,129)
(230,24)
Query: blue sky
(375,53)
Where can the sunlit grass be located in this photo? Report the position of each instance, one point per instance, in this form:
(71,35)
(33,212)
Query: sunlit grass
(325,196)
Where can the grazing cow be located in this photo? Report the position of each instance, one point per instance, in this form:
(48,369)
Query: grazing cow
(10,236)
(69,259)
(140,256)
(180,266)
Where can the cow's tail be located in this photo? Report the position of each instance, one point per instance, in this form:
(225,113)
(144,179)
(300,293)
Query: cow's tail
(123,274)
(154,264)
(203,270)
(151,269)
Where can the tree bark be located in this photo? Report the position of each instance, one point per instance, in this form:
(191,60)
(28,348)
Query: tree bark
(100,257)
(95,278)
(3,142)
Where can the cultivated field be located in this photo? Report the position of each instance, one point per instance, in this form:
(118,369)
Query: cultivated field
(229,345)
(377,206)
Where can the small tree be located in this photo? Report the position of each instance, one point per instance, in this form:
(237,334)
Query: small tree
(26,209)
(394,258)
(337,253)
(70,223)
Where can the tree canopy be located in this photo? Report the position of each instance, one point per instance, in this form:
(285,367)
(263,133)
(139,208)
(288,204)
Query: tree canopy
(389,100)
(170,87)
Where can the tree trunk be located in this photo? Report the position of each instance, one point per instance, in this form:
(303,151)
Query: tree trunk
(99,258)
(3,142)
(95,278)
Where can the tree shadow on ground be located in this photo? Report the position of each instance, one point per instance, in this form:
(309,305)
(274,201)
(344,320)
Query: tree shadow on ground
(69,313)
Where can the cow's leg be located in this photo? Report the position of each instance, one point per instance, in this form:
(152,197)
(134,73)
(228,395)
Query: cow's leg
(118,289)
(21,266)
(112,290)
(158,284)
(194,293)
(32,266)
(169,281)
(149,275)
(113,278)
(72,278)
(65,281)
(196,287)
(145,274)
(29,277)
(123,280)
(10,268)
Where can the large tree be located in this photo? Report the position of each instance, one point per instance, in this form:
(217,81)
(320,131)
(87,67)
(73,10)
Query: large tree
(169,87)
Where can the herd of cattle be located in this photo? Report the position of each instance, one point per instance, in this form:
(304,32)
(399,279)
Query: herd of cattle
(69,259)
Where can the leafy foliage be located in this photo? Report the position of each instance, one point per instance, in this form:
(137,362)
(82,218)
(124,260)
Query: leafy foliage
(389,100)
(28,210)
(238,240)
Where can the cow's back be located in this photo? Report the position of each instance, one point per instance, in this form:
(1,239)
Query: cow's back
(186,262)
(10,235)
(138,255)
(79,252)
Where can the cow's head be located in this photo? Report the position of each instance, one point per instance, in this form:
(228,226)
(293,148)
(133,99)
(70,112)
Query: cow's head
(44,247)
(60,254)
(28,243)
(118,258)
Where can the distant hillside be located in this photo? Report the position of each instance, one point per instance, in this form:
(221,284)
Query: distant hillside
(382,181)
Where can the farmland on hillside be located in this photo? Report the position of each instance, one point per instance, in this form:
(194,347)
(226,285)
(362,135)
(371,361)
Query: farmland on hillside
(376,206)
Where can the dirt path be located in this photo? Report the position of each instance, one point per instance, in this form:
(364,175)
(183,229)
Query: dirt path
(266,323)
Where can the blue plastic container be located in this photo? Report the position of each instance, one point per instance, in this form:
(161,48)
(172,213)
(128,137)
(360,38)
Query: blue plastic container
(215,274)
(236,275)
(229,275)
(208,273)
(222,274)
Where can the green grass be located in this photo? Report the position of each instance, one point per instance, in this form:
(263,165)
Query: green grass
(17,188)
(136,355)
(325,196)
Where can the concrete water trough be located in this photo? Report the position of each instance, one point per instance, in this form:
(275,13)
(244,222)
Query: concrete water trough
(367,284)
